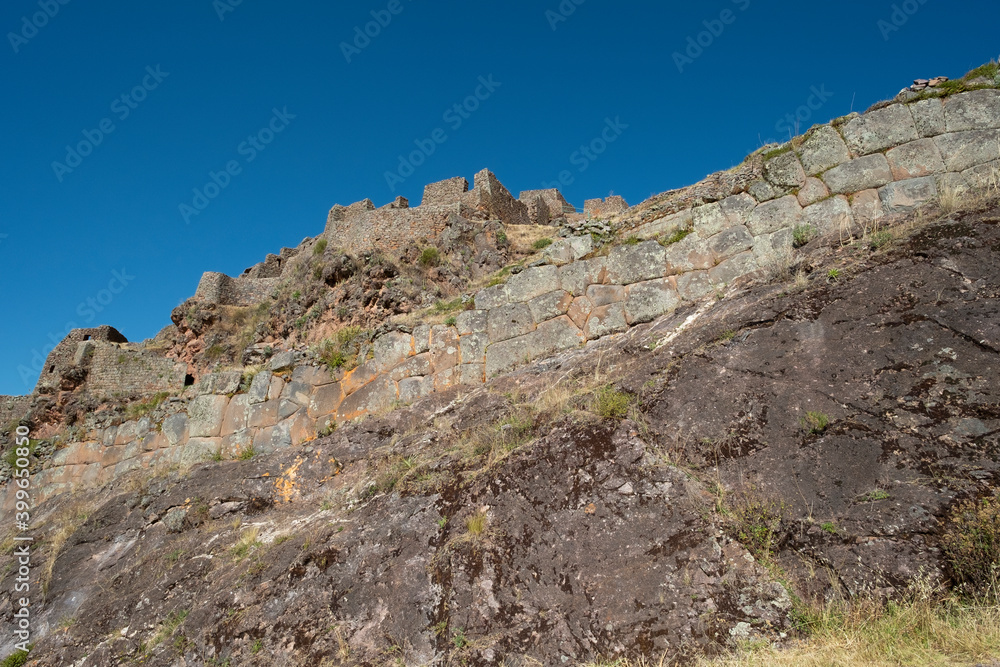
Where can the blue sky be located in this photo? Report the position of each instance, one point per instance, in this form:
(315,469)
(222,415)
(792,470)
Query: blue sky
(153,98)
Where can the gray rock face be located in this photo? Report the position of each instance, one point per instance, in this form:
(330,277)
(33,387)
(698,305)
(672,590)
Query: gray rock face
(550,305)
(871,171)
(175,428)
(391,349)
(878,130)
(812,191)
(205,414)
(733,268)
(830,216)
(785,170)
(510,321)
(471,321)
(282,361)
(962,150)
(575,278)
(974,110)
(772,216)
(606,320)
(635,263)
(473,348)
(649,300)
(533,282)
(928,117)
(731,242)
(822,150)
(226,382)
(710,220)
(259,387)
(491,297)
(903,196)
(737,208)
(915,159)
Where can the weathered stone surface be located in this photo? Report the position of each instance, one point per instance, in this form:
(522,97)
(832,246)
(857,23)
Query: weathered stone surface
(226,382)
(877,130)
(634,263)
(259,387)
(413,367)
(236,415)
(983,176)
(199,449)
(928,116)
(299,392)
(507,355)
(580,310)
(554,336)
(648,300)
(915,159)
(533,282)
(564,251)
(903,196)
(962,150)
(830,216)
(312,376)
(446,379)
(287,408)
(731,242)
(412,389)
(772,216)
(693,285)
(737,208)
(602,295)
(785,170)
(263,414)
(300,427)
(733,268)
(770,249)
(550,305)
(973,110)
(444,347)
(871,171)
(359,377)
(472,374)
(492,297)
(510,321)
(473,348)
(276,387)
(391,349)
(271,439)
(326,400)
(206,413)
(578,276)
(605,320)
(690,254)
(764,191)
(668,224)
(471,321)
(281,361)
(812,191)
(822,150)
(376,396)
(866,206)
(422,337)
(709,220)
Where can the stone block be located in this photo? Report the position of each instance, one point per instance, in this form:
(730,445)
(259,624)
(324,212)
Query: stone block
(651,299)
(422,338)
(282,361)
(962,150)
(830,215)
(823,149)
(392,349)
(377,396)
(299,392)
(473,348)
(411,389)
(471,321)
(236,415)
(417,366)
(730,242)
(691,253)
(233,444)
(205,414)
(693,285)
(983,176)
(359,377)
(199,449)
(881,129)
(313,376)
(605,320)
(773,215)
(710,220)
(973,110)
(785,170)
(492,297)
(733,268)
(446,379)
(472,374)
(263,414)
(580,310)
(271,439)
(871,171)
(533,282)
(287,408)
(277,386)
(507,355)
(226,382)
(444,347)
(575,278)
(259,387)
(866,206)
(763,190)
(668,224)
(904,196)
(300,428)
(555,336)
(636,263)
(550,305)
(769,249)
(510,321)
(928,116)
(603,295)
(915,159)
(812,191)
(737,208)
(571,249)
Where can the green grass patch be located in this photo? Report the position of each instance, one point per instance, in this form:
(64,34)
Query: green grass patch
(610,403)
(971,545)
(541,244)
(320,247)
(676,236)
(815,422)
(803,234)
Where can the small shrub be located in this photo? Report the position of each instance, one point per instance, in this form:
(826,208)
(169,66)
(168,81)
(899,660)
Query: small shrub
(16,659)
(756,522)
(246,453)
(815,422)
(476,524)
(215,352)
(541,244)
(430,257)
(833,274)
(256,647)
(296,295)
(803,234)
(971,544)
(451,320)
(875,496)
(328,429)
(501,238)
(320,247)
(829,527)
(459,639)
(444,307)
(879,239)
(610,403)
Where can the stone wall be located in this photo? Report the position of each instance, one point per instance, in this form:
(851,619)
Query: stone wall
(220,289)
(602,208)
(546,207)
(446,192)
(131,372)
(68,353)
(494,202)
(13,408)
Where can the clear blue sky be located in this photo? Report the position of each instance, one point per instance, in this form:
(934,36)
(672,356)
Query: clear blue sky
(214,82)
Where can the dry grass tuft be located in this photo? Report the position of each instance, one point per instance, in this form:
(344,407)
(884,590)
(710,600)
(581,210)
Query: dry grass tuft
(523,238)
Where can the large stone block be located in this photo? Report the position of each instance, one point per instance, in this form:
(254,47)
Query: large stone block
(550,305)
(812,191)
(326,400)
(199,449)
(915,159)
(635,263)
(417,366)
(763,190)
(422,338)
(236,416)
(271,439)
(668,224)
(392,349)
(263,414)
(866,206)
(603,295)
(737,208)
(313,376)
(877,130)
(571,249)
(710,220)
(770,249)
(472,374)
(226,382)
(492,297)
(510,321)
(904,196)
(300,427)
(377,396)
(578,276)
(555,336)
(444,347)
(690,254)
(730,242)
(471,321)
(983,176)
(693,285)
(830,216)
(648,300)
(412,389)
(974,110)
(206,413)
(871,171)
(773,215)
(533,282)
(785,170)
(259,387)
(276,387)
(733,268)
(823,149)
(928,116)
(580,310)
(299,392)
(507,355)
(962,150)
(359,377)
(606,320)
(473,348)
